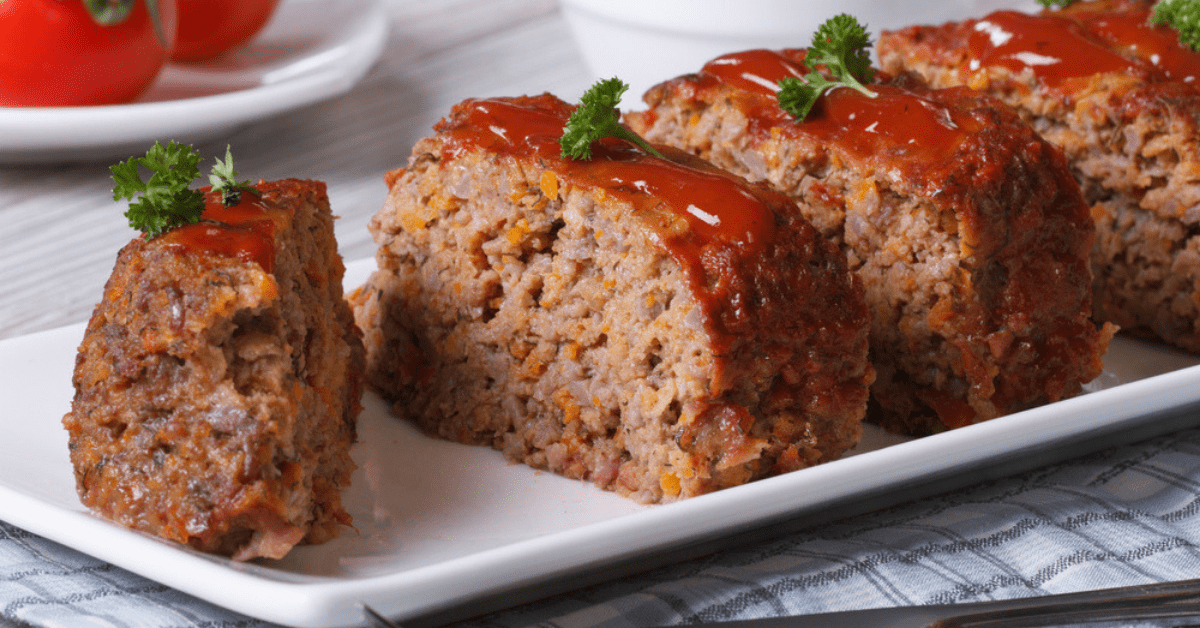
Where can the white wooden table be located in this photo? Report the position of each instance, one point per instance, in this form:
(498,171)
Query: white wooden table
(60,229)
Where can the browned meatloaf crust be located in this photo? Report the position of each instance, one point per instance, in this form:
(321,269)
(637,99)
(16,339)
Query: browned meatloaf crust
(966,228)
(1128,127)
(576,316)
(218,382)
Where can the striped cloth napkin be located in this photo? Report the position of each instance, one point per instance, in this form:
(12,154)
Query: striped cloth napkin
(1123,516)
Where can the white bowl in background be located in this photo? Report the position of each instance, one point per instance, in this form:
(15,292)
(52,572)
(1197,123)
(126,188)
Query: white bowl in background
(645,42)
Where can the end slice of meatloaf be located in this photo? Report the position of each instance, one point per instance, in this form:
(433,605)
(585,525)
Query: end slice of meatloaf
(657,327)
(1120,97)
(218,383)
(966,228)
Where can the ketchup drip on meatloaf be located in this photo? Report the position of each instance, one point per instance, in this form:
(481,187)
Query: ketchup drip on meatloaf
(720,210)
(1097,39)
(1132,34)
(244,231)
(899,127)
(1053,47)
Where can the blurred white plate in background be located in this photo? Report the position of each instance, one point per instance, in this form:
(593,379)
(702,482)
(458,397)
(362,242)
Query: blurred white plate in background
(310,51)
(645,42)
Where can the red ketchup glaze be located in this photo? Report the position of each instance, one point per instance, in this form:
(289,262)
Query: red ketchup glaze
(1130,32)
(243,231)
(756,72)
(897,126)
(719,208)
(1054,47)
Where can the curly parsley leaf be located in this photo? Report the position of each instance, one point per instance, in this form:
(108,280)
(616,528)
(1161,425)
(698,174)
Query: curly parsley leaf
(597,117)
(1183,16)
(224,180)
(797,96)
(166,198)
(842,47)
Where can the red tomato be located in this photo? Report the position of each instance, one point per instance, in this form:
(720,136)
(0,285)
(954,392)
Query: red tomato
(53,54)
(208,28)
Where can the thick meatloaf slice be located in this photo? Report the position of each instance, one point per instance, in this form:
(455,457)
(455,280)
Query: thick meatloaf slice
(1119,97)
(218,382)
(657,327)
(966,228)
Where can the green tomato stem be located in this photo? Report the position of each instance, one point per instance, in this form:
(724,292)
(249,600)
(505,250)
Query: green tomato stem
(156,20)
(113,12)
(108,13)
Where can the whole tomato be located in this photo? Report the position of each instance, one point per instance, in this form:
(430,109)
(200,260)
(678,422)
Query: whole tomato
(54,53)
(209,28)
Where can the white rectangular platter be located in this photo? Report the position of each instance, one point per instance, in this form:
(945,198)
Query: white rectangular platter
(439,525)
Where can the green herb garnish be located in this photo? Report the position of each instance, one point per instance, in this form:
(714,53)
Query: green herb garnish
(841,45)
(597,117)
(1183,16)
(167,199)
(224,180)
(1050,4)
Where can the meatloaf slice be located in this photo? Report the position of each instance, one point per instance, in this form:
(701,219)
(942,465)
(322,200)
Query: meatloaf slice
(966,228)
(1120,98)
(657,327)
(218,382)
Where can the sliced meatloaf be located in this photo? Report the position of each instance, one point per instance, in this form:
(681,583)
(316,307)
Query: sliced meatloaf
(218,382)
(1119,97)
(655,326)
(966,228)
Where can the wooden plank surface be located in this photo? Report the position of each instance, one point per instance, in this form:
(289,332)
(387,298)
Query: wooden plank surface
(60,230)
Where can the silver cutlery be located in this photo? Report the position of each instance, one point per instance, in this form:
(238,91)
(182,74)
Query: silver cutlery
(1164,601)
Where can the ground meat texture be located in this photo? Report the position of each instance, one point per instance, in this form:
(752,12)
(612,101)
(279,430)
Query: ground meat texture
(661,329)
(1122,103)
(218,382)
(966,228)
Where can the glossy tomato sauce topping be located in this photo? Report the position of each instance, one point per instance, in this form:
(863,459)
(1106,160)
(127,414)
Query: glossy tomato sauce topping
(1053,47)
(895,125)
(244,231)
(1080,43)
(1131,33)
(718,207)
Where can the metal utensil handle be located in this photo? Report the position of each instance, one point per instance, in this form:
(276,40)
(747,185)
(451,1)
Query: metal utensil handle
(1169,600)
(1166,600)
(376,620)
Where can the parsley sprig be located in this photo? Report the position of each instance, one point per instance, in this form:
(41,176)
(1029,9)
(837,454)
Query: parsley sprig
(167,199)
(597,117)
(842,47)
(224,180)
(1183,16)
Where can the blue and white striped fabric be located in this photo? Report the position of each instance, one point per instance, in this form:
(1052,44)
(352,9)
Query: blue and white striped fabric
(1123,516)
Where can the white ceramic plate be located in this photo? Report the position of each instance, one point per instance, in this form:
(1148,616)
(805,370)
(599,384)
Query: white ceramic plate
(311,50)
(614,36)
(439,525)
